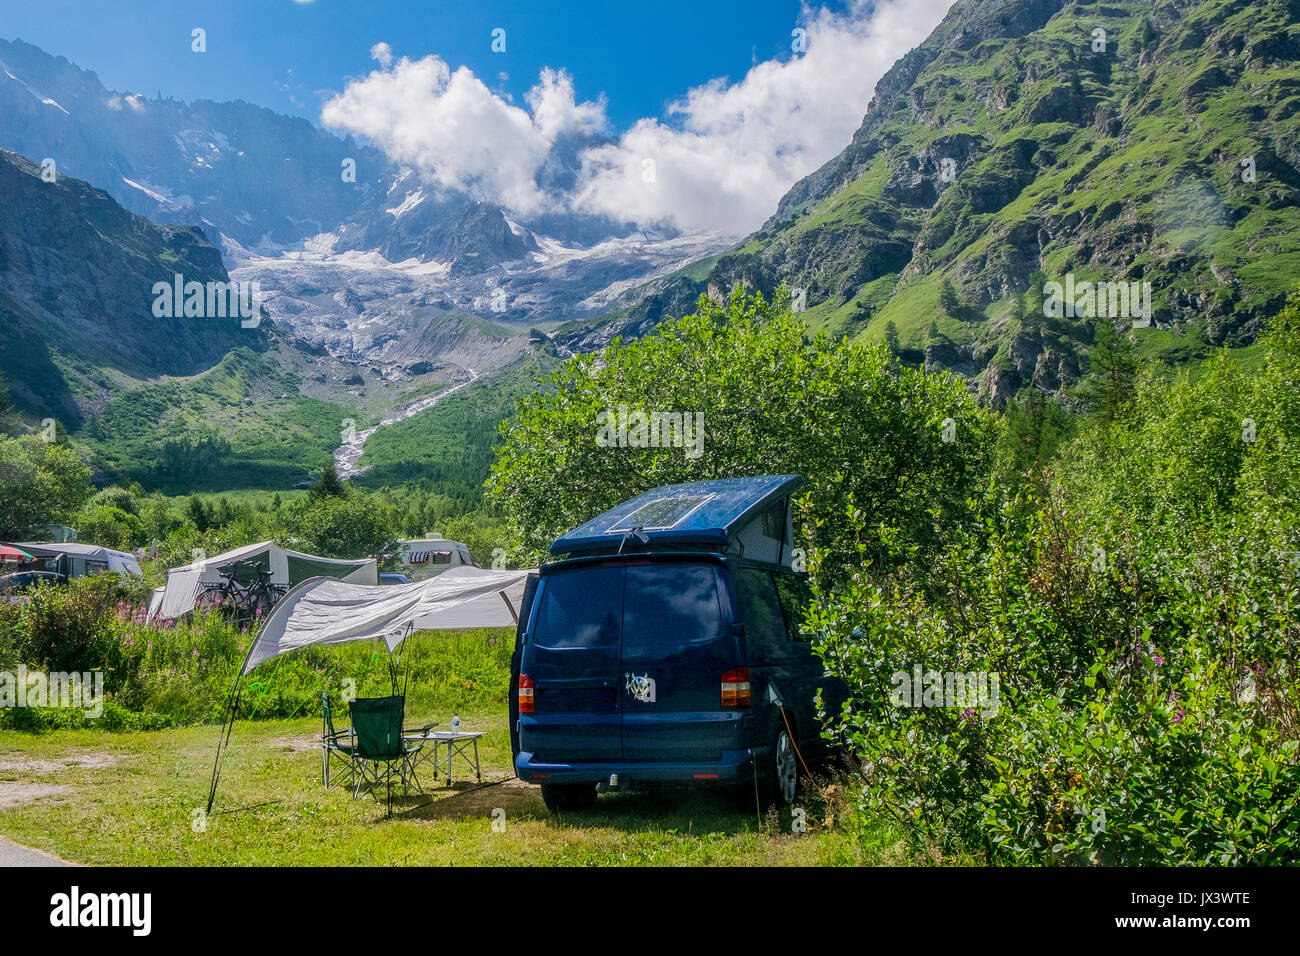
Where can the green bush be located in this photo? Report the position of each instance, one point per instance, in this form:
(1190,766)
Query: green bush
(71,627)
(1147,706)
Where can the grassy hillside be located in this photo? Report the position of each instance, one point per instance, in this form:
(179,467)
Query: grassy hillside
(449,448)
(241,424)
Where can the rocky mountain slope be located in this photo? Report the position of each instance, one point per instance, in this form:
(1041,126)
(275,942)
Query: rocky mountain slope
(1027,142)
(77,273)
(230,167)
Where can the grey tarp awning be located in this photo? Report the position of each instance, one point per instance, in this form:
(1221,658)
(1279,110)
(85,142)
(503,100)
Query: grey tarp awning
(327,611)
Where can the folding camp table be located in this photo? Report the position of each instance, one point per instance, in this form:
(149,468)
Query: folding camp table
(457,745)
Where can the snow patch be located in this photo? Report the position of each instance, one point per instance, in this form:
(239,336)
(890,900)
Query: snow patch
(155,196)
(412,200)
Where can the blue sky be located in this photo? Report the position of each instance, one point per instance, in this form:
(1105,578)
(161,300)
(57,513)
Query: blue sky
(704,112)
(275,52)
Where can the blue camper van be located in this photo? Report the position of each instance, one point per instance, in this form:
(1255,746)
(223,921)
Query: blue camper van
(661,644)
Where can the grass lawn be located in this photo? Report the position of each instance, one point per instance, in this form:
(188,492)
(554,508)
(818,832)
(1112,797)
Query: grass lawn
(130,799)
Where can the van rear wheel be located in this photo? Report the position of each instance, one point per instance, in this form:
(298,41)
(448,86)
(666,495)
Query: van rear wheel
(779,776)
(570,797)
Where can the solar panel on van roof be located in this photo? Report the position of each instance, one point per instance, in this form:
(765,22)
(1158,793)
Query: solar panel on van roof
(692,515)
(662,514)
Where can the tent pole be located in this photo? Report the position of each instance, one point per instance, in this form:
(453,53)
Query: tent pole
(406,678)
(223,741)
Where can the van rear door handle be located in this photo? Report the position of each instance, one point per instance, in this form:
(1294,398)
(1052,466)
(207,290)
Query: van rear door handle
(577,683)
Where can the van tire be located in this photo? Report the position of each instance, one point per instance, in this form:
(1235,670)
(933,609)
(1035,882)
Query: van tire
(569,797)
(778,776)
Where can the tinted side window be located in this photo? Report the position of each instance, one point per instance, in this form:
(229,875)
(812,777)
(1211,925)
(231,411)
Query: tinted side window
(670,604)
(795,595)
(760,612)
(580,608)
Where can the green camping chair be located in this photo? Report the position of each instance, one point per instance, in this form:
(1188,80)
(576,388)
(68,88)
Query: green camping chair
(341,744)
(382,748)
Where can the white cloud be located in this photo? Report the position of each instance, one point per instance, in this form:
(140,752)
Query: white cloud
(456,131)
(729,152)
(136,103)
(719,161)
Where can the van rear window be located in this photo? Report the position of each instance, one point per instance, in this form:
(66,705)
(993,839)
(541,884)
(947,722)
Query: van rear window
(760,609)
(670,604)
(580,608)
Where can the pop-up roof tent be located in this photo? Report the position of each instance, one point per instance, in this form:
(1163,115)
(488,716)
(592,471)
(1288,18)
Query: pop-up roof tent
(78,560)
(288,568)
(741,516)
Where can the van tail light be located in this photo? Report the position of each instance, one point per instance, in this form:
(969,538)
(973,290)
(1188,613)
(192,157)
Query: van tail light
(735,688)
(525,694)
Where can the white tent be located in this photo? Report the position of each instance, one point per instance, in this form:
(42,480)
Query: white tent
(327,611)
(288,568)
(155,601)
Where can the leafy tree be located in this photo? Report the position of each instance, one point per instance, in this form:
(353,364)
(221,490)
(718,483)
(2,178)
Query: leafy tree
(158,517)
(482,534)
(110,527)
(115,497)
(346,526)
(1142,615)
(1190,448)
(40,483)
(198,513)
(847,417)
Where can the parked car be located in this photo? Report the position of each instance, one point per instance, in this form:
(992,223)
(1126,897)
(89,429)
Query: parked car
(392,577)
(25,580)
(664,645)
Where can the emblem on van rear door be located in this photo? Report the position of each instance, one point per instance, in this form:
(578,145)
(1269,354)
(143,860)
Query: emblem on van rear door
(642,688)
